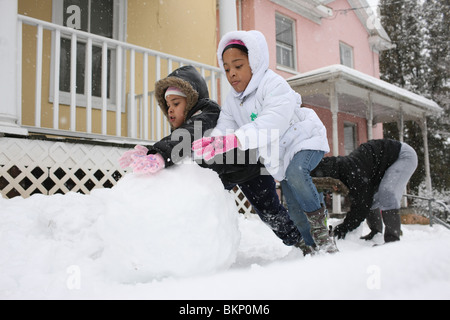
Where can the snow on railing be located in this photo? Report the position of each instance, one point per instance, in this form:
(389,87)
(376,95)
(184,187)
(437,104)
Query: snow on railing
(123,105)
(433,217)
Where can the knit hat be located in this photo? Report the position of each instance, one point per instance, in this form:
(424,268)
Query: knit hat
(174,91)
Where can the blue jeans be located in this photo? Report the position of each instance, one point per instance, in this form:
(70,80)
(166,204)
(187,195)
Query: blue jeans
(300,192)
(262,194)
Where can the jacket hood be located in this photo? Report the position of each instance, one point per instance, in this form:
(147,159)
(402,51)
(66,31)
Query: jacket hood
(258,55)
(189,81)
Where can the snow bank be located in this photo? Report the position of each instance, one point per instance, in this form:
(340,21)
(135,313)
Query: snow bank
(176,236)
(180,222)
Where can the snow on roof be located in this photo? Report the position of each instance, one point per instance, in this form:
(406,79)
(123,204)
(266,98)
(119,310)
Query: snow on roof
(362,79)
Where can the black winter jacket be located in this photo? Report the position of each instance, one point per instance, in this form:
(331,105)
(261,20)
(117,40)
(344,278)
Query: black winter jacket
(201,112)
(362,172)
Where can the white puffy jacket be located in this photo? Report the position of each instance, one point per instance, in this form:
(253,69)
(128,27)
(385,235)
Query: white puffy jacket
(267,116)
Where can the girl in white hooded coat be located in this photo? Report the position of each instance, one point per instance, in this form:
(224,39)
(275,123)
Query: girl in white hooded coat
(263,112)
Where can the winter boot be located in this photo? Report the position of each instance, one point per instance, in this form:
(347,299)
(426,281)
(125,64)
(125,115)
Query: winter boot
(392,223)
(375,224)
(307,250)
(319,231)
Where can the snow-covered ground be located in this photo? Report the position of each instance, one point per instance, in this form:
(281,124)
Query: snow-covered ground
(177,235)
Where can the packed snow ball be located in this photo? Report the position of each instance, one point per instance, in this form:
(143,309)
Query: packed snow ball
(179,222)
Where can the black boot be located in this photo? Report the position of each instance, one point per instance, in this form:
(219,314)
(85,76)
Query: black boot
(375,223)
(392,223)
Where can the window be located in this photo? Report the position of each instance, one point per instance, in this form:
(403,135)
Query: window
(346,53)
(285,37)
(350,137)
(96,17)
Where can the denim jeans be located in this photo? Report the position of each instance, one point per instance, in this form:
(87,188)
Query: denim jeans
(262,195)
(300,192)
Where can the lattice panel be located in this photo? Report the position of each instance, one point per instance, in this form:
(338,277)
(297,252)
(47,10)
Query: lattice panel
(242,203)
(48,167)
(29,166)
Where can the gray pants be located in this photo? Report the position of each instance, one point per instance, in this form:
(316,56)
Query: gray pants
(395,179)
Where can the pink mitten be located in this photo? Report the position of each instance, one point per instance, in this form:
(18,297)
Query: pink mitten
(210,147)
(201,143)
(147,164)
(126,159)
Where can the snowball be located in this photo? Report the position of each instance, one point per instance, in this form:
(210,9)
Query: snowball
(179,222)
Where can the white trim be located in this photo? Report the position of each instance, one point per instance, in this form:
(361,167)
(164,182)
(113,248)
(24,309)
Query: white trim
(381,90)
(294,47)
(343,49)
(310,9)
(119,33)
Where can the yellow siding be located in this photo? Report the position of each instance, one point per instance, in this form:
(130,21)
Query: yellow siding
(185,28)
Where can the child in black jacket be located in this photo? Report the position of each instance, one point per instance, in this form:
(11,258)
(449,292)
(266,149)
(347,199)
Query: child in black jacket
(184,99)
(376,175)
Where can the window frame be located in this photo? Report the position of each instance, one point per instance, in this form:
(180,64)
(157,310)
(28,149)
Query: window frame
(284,46)
(354,127)
(343,48)
(119,33)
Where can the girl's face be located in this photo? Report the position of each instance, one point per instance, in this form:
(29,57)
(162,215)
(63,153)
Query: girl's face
(237,68)
(177,110)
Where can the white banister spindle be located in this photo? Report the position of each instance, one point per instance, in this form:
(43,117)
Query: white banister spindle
(119,91)
(149,123)
(145,95)
(56,70)
(132,106)
(88,86)
(202,71)
(169,66)
(73,82)
(213,86)
(166,127)
(19,73)
(104,87)
(38,84)
(158,110)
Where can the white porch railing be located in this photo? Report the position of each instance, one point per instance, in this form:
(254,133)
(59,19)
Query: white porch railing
(127,115)
(130,112)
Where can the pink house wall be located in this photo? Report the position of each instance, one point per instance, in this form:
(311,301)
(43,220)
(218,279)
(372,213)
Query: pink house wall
(317,44)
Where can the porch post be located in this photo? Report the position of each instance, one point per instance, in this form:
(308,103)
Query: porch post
(423,125)
(401,133)
(334,103)
(401,125)
(227,16)
(228,22)
(334,106)
(370,117)
(9,112)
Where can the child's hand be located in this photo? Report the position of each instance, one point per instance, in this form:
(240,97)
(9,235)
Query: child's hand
(210,147)
(147,164)
(126,159)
